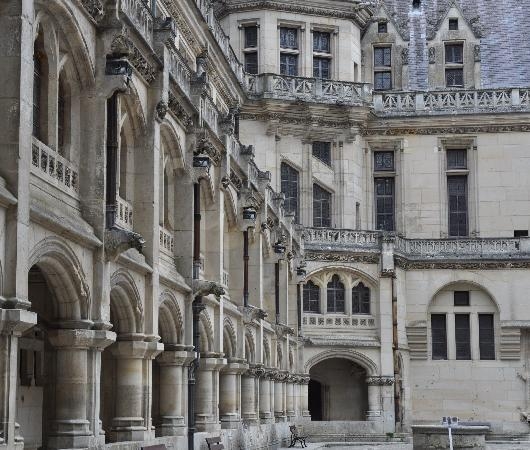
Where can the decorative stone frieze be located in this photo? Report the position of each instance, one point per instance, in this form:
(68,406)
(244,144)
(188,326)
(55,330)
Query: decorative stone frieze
(123,45)
(178,111)
(380,381)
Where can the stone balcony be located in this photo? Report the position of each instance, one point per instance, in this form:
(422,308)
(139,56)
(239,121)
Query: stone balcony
(317,90)
(514,251)
(140,17)
(451,102)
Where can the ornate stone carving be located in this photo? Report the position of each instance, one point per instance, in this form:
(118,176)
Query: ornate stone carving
(161,110)
(235,180)
(405,56)
(251,313)
(95,8)
(179,112)
(202,288)
(283,330)
(476,53)
(122,45)
(460,265)
(380,381)
(118,240)
(432,55)
(342,257)
(205,147)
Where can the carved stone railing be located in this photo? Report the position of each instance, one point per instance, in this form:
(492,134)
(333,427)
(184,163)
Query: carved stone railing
(444,102)
(124,214)
(166,241)
(48,165)
(343,322)
(331,239)
(139,14)
(486,248)
(308,89)
(179,70)
(206,9)
(210,114)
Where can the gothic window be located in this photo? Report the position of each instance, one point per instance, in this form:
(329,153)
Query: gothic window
(384,203)
(288,64)
(321,68)
(322,151)
(321,42)
(321,207)
(382,56)
(458,213)
(439,336)
(251,49)
(462,336)
(456,159)
(289,187)
(311,297)
(383,161)
(361,299)
(335,295)
(486,336)
(289,38)
(454,65)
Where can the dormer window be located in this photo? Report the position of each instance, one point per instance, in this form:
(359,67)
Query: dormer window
(382,27)
(454,64)
(416,4)
(453,24)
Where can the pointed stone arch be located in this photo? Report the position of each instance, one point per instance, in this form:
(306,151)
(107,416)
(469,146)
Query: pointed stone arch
(229,339)
(125,304)
(206,333)
(170,323)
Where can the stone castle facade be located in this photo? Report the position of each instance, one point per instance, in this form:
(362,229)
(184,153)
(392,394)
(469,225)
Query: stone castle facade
(219,218)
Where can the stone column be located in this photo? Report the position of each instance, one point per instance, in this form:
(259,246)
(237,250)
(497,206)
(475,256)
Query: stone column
(375,384)
(173,373)
(279,411)
(128,423)
(207,400)
(265,413)
(289,397)
(230,393)
(71,426)
(13,323)
(305,396)
(248,394)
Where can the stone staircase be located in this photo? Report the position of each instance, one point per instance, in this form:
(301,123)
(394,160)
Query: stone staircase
(499,441)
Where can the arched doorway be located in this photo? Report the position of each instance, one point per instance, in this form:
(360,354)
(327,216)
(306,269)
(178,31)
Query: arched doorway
(338,390)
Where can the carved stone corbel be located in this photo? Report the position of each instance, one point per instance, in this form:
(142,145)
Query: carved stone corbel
(118,240)
(283,330)
(251,313)
(202,288)
(161,110)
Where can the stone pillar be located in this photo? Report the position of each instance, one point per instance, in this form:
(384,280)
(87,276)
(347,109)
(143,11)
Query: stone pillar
(207,400)
(173,374)
(248,394)
(13,323)
(265,412)
(289,397)
(375,385)
(230,393)
(70,427)
(305,396)
(279,384)
(128,423)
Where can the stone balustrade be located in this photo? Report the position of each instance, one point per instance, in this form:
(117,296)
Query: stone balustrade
(140,17)
(326,240)
(124,214)
(448,101)
(284,87)
(50,166)
(180,71)
(166,241)
(209,114)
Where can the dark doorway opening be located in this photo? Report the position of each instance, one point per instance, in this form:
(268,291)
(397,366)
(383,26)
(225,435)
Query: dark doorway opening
(315,400)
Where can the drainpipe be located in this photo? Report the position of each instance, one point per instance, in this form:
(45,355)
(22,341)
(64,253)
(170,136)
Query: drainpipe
(197,307)
(395,348)
(277,290)
(245,268)
(299,307)
(112,161)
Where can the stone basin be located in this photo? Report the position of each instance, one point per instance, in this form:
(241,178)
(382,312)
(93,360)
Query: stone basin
(433,437)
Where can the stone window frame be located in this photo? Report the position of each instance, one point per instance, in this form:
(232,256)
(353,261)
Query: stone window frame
(474,311)
(377,144)
(381,69)
(333,47)
(242,25)
(455,66)
(470,144)
(299,52)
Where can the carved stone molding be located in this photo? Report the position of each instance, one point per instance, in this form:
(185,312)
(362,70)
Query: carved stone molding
(380,381)
(202,288)
(433,131)
(460,265)
(118,240)
(178,111)
(161,110)
(206,147)
(342,257)
(95,8)
(122,45)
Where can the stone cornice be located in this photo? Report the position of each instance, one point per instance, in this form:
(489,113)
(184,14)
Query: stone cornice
(331,256)
(360,13)
(405,264)
(489,127)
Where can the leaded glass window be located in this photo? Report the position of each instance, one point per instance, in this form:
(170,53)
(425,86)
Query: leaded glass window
(288,64)
(382,56)
(321,42)
(458,214)
(456,159)
(322,151)
(384,203)
(289,38)
(311,297)
(383,161)
(321,207)
(335,295)
(321,67)
(454,77)
(251,37)
(383,81)
(360,299)
(289,188)
(251,62)
(454,53)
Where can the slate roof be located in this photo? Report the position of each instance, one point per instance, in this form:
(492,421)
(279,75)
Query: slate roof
(502,25)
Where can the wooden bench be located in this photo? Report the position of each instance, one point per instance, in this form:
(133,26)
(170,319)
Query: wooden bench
(215,443)
(155,447)
(297,437)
